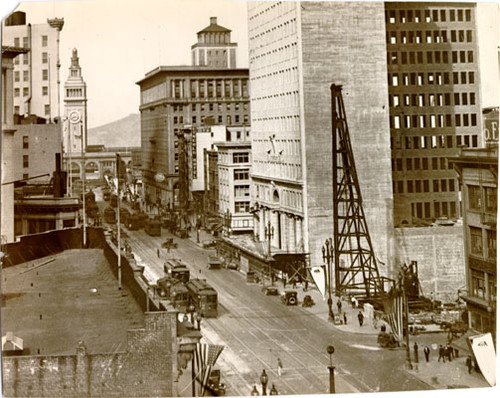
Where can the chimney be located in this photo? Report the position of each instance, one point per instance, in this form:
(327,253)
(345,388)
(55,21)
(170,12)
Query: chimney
(213,20)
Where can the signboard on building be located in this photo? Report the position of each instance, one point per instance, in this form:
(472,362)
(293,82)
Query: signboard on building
(490,117)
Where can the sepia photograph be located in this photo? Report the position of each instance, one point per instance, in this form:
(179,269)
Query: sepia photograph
(249,198)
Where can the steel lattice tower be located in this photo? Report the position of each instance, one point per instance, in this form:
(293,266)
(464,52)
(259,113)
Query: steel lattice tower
(356,270)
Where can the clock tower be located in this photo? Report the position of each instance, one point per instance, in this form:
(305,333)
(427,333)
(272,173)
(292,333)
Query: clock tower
(75,108)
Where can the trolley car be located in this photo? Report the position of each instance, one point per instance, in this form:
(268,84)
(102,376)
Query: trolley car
(176,270)
(153,227)
(203,297)
(109,215)
(175,292)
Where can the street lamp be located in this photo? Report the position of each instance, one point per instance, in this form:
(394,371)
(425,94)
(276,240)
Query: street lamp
(254,392)
(330,350)
(263,380)
(328,258)
(269,234)
(191,310)
(227,221)
(198,321)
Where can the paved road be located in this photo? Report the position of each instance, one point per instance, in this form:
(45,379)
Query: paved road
(257,329)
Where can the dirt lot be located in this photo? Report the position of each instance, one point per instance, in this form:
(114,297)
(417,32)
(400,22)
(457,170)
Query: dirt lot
(56,301)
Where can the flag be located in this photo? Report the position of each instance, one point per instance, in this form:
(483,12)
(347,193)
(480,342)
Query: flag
(484,351)
(319,278)
(205,356)
(394,308)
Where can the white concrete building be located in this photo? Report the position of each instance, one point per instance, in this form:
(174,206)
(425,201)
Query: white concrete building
(36,73)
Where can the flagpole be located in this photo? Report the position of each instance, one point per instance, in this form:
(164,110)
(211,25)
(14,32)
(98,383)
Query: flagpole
(118,222)
(193,377)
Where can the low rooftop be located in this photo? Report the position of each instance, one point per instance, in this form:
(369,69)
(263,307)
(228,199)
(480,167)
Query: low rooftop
(54,302)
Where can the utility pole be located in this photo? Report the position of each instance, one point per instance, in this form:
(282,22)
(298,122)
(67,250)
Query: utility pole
(83,189)
(405,323)
(118,221)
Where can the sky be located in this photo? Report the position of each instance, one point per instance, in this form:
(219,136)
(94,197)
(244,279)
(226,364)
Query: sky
(118,41)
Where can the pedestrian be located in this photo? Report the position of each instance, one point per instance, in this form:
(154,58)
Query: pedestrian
(158,252)
(415,352)
(353,302)
(468,362)
(361,317)
(345,318)
(427,352)
(306,285)
(449,351)
(284,282)
(441,354)
(339,306)
(294,283)
(280,367)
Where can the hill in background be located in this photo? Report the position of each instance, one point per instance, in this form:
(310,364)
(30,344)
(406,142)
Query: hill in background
(120,133)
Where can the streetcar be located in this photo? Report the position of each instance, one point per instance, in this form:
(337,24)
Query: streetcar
(203,297)
(114,200)
(109,215)
(175,292)
(152,227)
(133,222)
(176,269)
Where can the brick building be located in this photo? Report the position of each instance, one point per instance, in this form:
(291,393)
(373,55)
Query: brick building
(297,50)
(478,173)
(173,97)
(36,74)
(434,99)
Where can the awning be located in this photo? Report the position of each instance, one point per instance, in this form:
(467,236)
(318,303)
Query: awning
(462,343)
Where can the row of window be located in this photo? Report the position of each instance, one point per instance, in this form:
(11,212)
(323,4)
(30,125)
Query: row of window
(478,195)
(477,245)
(439,99)
(17,41)
(212,107)
(417,164)
(428,210)
(241,207)
(241,157)
(438,78)
(26,91)
(429,37)
(74,92)
(431,57)
(427,16)
(435,141)
(424,186)
(432,121)
(242,190)
(207,88)
(236,119)
(478,280)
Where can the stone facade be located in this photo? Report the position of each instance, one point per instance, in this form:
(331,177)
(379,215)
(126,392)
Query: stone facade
(109,374)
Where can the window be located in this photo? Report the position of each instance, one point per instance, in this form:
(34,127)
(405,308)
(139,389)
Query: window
(240,157)
(16,42)
(472,100)
(470,56)
(47,109)
(241,207)
(16,92)
(242,190)
(45,58)
(16,110)
(474,197)
(45,74)
(228,119)
(45,41)
(490,196)
(16,76)
(409,186)
(241,174)
(491,237)
(477,283)
(26,162)
(26,91)
(25,142)
(25,59)
(193,119)
(45,90)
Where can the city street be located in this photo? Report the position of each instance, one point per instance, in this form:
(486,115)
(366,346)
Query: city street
(257,330)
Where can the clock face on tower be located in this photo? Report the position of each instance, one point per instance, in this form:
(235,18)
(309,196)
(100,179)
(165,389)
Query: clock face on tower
(74,117)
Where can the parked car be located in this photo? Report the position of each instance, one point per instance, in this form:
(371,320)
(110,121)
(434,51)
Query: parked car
(270,290)
(289,297)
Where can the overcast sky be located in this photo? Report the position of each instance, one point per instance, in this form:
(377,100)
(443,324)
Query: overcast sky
(118,41)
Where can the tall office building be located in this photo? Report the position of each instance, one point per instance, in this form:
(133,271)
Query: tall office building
(178,97)
(36,73)
(297,50)
(75,108)
(435,106)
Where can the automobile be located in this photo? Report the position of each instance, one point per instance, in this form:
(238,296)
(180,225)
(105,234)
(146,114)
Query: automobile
(232,265)
(270,290)
(214,261)
(207,244)
(214,384)
(289,297)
